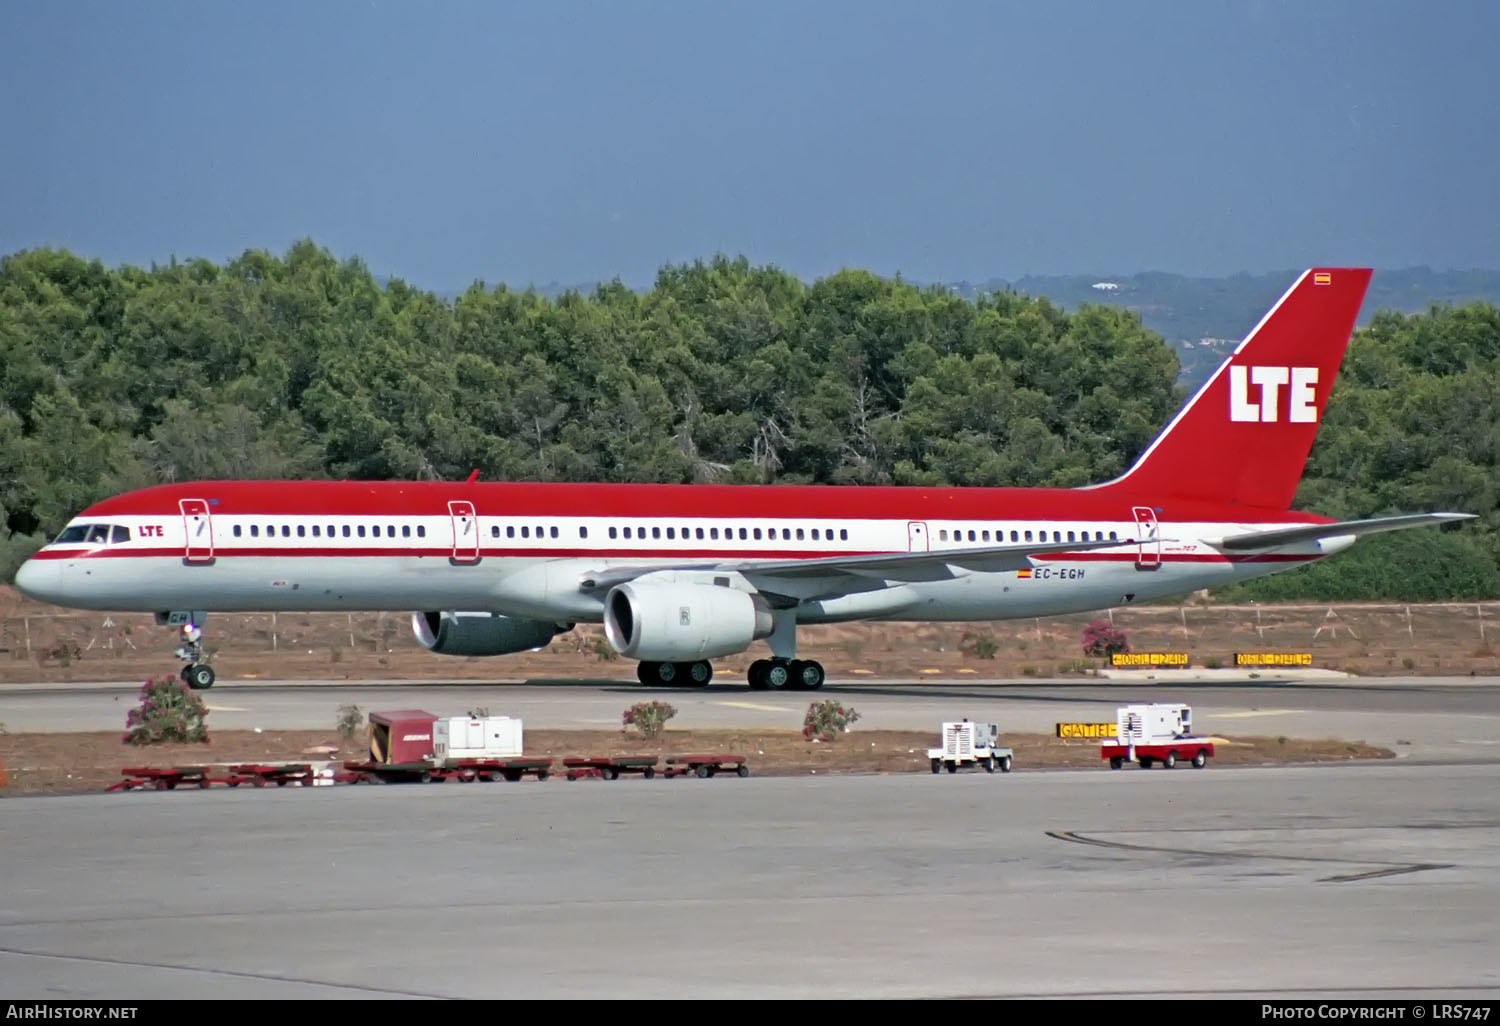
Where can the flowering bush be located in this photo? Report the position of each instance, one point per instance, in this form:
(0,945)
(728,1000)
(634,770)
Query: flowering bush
(648,717)
(1102,638)
(827,720)
(169,711)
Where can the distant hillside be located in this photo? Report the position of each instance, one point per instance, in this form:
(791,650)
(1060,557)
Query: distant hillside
(1205,318)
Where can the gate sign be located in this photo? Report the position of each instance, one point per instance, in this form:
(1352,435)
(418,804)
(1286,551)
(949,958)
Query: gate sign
(1085,730)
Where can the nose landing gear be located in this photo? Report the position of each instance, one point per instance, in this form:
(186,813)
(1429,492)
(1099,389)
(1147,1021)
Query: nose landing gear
(197,674)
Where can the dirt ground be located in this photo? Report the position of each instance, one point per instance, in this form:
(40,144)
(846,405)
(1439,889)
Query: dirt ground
(79,763)
(44,643)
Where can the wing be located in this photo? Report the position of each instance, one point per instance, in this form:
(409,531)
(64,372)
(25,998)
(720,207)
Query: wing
(1312,532)
(839,575)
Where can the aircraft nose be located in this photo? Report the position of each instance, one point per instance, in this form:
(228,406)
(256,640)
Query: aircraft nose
(40,579)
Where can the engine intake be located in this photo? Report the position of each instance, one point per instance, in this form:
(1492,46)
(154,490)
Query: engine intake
(675,623)
(479,634)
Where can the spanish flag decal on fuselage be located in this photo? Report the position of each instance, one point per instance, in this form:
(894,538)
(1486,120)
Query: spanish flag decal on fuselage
(1023,573)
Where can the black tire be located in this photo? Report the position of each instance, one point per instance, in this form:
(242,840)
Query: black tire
(953,767)
(1145,761)
(742,770)
(1170,760)
(937,765)
(1200,758)
(704,772)
(645,673)
(648,773)
(1115,762)
(422,777)
(807,675)
(757,674)
(989,764)
(699,674)
(200,677)
(778,676)
(1004,764)
(667,673)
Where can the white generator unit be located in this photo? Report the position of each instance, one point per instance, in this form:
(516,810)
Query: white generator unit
(966,743)
(1152,724)
(474,737)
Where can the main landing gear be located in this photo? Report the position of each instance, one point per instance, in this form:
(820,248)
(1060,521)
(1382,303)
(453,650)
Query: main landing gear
(688,675)
(786,675)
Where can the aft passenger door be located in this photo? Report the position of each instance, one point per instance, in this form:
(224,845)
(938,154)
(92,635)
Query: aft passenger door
(465,532)
(916,536)
(199,530)
(1148,531)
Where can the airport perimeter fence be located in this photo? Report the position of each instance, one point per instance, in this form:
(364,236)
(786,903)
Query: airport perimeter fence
(1356,637)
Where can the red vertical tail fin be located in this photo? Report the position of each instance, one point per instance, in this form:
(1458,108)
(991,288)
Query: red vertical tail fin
(1243,439)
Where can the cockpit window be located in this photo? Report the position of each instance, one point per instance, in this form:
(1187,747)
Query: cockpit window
(91,534)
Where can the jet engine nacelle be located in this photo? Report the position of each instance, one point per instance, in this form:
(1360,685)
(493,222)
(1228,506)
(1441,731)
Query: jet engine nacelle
(676,623)
(479,634)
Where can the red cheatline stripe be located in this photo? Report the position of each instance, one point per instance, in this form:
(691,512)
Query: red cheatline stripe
(123,552)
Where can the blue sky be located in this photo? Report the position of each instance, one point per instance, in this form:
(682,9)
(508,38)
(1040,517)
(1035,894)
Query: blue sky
(566,141)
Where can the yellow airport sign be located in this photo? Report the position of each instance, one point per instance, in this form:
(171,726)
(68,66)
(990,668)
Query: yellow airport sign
(1273,659)
(1178,659)
(1085,730)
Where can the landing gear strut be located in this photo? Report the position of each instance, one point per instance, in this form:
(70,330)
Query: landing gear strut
(197,673)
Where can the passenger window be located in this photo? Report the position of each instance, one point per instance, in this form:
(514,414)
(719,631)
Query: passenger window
(972,535)
(843,534)
(525,531)
(611,532)
(700,533)
(713,533)
(406,531)
(552,531)
(799,534)
(317,531)
(254,531)
(236,530)
(360,530)
(627,532)
(943,535)
(1015,536)
(1112,536)
(656,532)
(814,534)
(1028,536)
(494,530)
(1057,536)
(510,530)
(1070,536)
(286,531)
(346,531)
(390,530)
(583,532)
(757,534)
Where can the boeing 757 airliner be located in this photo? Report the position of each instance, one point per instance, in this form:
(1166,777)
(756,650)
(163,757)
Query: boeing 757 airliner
(682,574)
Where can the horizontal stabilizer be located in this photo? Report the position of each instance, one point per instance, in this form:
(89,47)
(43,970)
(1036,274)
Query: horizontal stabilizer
(1312,532)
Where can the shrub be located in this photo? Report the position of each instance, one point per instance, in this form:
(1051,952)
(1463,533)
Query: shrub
(1212,663)
(827,720)
(1102,638)
(350,719)
(980,646)
(603,650)
(648,717)
(169,711)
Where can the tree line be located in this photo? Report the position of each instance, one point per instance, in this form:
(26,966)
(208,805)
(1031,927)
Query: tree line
(307,366)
